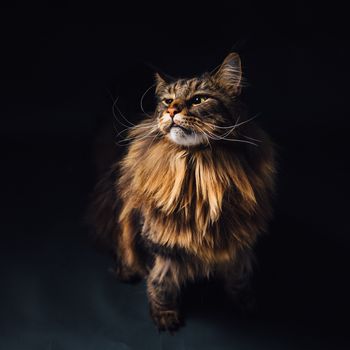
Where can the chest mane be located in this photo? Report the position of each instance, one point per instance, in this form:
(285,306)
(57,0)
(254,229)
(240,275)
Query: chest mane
(190,184)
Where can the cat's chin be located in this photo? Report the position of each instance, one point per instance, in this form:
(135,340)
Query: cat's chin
(184,137)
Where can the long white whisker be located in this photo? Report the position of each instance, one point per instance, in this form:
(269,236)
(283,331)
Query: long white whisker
(219,127)
(120,132)
(114,106)
(231,128)
(247,121)
(154,138)
(135,127)
(251,138)
(126,119)
(149,134)
(243,141)
(206,136)
(216,137)
(127,141)
(220,137)
(213,136)
(235,125)
(142,97)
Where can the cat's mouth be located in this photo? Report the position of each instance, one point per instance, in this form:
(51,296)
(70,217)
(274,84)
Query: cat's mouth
(186,131)
(184,136)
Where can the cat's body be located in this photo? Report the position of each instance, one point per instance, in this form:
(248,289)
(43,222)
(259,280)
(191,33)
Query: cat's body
(182,205)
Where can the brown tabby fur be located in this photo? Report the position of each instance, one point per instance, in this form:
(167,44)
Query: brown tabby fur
(180,213)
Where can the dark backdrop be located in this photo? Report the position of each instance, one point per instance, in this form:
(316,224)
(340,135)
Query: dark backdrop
(61,70)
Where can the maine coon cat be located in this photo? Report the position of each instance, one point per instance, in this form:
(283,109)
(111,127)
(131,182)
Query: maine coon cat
(192,193)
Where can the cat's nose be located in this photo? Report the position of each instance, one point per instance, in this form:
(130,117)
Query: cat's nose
(172,110)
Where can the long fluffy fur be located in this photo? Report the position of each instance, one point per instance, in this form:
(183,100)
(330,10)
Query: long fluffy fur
(177,214)
(211,203)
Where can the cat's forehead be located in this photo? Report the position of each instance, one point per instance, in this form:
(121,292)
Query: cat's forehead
(187,87)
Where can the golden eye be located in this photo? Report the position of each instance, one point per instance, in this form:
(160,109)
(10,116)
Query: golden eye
(198,99)
(167,101)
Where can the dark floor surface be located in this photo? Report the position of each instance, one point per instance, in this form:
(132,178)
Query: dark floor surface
(57,292)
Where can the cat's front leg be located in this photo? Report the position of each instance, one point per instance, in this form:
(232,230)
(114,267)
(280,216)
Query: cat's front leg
(130,266)
(163,287)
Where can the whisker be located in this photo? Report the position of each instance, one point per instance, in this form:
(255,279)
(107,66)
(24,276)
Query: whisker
(115,107)
(152,141)
(220,137)
(216,137)
(205,134)
(125,142)
(248,120)
(142,98)
(210,134)
(126,119)
(251,138)
(219,127)
(120,132)
(235,125)
(153,129)
(243,141)
(134,128)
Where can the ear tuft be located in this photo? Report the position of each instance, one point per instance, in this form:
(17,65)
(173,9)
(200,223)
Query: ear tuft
(229,75)
(162,81)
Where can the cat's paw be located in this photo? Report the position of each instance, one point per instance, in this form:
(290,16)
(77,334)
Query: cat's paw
(166,320)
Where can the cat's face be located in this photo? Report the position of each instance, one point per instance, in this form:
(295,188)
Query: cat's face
(194,111)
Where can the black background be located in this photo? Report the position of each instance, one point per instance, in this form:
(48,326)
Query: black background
(61,69)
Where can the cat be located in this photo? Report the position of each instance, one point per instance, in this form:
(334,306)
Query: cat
(192,193)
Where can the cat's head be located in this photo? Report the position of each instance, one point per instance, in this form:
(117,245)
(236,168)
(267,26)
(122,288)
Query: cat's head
(196,111)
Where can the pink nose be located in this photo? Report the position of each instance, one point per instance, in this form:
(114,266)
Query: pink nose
(172,111)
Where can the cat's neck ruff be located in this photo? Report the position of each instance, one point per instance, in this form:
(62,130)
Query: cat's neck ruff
(173,177)
(192,197)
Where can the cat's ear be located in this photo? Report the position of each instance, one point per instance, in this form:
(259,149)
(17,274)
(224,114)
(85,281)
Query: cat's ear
(229,74)
(162,81)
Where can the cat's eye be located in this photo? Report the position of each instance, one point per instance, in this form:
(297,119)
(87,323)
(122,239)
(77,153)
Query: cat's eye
(167,101)
(198,100)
